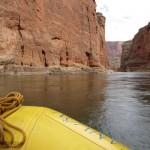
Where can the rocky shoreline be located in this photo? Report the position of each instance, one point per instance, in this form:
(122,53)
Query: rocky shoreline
(53,70)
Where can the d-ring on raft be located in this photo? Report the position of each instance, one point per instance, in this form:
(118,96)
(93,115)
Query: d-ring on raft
(47,129)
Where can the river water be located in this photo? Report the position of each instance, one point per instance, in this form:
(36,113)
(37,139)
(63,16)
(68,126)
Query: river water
(117,104)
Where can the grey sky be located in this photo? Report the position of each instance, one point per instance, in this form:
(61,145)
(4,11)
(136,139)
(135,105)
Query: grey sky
(124,17)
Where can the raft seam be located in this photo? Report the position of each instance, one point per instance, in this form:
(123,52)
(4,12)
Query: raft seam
(74,131)
(28,137)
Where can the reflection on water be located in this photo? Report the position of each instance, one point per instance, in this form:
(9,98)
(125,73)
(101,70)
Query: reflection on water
(116,104)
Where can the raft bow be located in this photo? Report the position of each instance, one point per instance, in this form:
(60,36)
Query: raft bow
(8,105)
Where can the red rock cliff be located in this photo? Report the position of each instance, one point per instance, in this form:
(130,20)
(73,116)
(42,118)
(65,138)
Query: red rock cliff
(114,53)
(43,33)
(136,56)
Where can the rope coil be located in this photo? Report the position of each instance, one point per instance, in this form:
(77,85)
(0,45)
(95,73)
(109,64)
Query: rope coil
(9,105)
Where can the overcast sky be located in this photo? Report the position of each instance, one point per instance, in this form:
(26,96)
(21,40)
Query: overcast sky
(124,17)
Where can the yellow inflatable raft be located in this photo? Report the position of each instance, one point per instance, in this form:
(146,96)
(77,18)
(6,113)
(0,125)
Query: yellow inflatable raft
(47,129)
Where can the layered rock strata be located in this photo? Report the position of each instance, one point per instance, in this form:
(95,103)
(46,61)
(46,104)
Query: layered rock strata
(44,33)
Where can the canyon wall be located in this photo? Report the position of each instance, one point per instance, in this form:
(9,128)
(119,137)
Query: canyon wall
(114,54)
(44,33)
(136,53)
(125,55)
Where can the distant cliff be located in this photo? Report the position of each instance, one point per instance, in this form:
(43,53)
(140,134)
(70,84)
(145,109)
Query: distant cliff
(44,33)
(125,54)
(136,53)
(114,53)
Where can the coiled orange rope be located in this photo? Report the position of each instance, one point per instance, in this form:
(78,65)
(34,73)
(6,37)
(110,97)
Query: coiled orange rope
(8,105)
